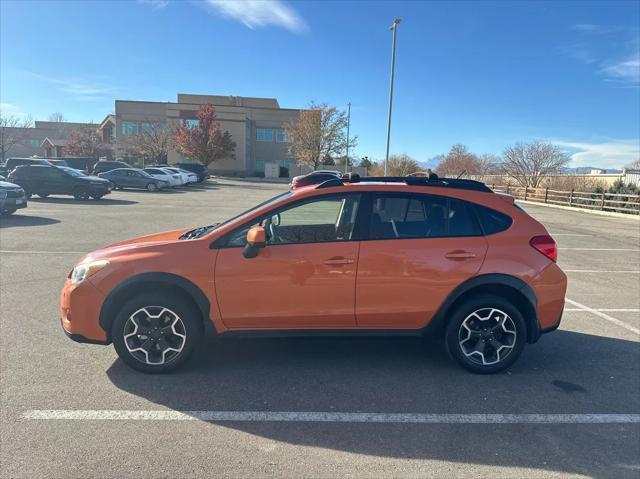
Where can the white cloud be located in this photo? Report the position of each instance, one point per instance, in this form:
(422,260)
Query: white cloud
(260,13)
(627,70)
(155,3)
(10,109)
(609,154)
(79,89)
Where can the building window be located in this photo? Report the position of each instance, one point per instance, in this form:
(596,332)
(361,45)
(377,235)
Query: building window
(129,128)
(191,123)
(35,143)
(264,134)
(281,135)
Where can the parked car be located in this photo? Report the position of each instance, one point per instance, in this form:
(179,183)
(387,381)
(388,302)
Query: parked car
(107,165)
(314,178)
(45,180)
(187,176)
(57,162)
(12,163)
(450,258)
(12,198)
(197,168)
(174,179)
(81,163)
(133,178)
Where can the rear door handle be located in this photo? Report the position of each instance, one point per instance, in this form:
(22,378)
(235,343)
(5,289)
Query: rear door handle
(459,255)
(337,261)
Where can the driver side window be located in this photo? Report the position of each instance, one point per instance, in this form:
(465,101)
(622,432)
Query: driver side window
(319,220)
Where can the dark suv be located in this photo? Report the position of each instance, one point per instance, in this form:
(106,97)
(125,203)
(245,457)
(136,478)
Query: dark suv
(52,180)
(13,163)
(104,166)
(197,168)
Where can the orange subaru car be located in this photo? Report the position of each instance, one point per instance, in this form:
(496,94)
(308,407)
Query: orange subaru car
(386,255)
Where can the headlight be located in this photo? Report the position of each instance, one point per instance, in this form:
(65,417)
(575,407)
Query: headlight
(84,270)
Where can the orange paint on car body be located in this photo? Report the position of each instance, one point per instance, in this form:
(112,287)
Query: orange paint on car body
(350,281)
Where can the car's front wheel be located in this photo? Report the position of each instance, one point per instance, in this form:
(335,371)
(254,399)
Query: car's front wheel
(156,332)
(152,187)
(80,194)
(486,334)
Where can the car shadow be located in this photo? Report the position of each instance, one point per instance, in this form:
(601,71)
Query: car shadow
(71,200)
(164,191)
(18,220)
(566,372)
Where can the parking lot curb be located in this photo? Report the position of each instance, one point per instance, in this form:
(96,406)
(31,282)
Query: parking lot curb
(585,210)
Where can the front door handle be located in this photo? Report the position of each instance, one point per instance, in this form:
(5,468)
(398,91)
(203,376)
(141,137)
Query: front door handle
(338,261)
(459,255)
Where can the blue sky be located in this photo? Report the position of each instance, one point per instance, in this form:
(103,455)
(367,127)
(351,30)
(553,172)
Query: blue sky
(485,74)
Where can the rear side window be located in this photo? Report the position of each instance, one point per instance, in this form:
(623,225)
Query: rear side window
(492,221)
(423,216)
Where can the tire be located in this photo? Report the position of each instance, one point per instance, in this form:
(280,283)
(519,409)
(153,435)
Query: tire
(486,334)
(43,195)
(181,337)
(97,197)
(80,194)
(152,187)
(8,212)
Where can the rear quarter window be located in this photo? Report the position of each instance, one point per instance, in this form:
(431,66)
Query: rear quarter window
(492,221)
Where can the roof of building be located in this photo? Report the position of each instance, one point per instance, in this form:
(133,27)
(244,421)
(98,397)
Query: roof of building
(55,141)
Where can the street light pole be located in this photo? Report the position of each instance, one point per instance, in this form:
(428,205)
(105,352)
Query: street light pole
(346,162)
(394,27)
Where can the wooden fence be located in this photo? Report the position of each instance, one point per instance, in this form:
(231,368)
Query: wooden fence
(621,203)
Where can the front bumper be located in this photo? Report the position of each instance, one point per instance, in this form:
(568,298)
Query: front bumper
(80,306)
(12,204)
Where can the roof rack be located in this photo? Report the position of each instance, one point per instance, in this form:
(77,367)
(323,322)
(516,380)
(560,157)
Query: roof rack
(409,180)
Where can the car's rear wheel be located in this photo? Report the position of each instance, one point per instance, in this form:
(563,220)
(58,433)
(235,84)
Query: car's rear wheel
(152,187)
(81,194)
(97,196)
(156,332)
(7,212)
(486,334)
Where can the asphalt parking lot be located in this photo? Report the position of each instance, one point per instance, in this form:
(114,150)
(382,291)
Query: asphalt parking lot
(570,380)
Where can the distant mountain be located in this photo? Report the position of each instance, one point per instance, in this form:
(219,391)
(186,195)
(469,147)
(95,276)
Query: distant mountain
(585,170)
(431,162)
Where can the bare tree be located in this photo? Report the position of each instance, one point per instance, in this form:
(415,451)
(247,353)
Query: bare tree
(459,160)
(153,141)
(489,164)
(86,142)
(11,133)
(398,165)
(57,117)
(319,132)
(530,163)
(634,165)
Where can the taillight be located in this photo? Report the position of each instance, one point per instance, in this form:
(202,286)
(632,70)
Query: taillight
(546,245)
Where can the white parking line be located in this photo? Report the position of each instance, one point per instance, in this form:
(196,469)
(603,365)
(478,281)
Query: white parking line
(344,417)
(11,251)
(602,249)
(599,271)
(602,315)
(568,234)
(617,310)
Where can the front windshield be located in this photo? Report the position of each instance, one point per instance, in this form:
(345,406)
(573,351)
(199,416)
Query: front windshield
(71,171)
(255,208)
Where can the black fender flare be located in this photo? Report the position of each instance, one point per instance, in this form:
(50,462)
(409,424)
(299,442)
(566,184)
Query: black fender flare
(487,281)
(165,279)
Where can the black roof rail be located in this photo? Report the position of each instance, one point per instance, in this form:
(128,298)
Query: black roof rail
(410,180)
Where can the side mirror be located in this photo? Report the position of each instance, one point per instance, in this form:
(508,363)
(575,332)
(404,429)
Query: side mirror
(256,239)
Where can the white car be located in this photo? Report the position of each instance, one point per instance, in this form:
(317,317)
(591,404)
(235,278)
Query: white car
(187,176)
(174,179)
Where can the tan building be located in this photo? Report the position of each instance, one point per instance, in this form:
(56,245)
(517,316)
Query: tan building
(44,138)
(255,124)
